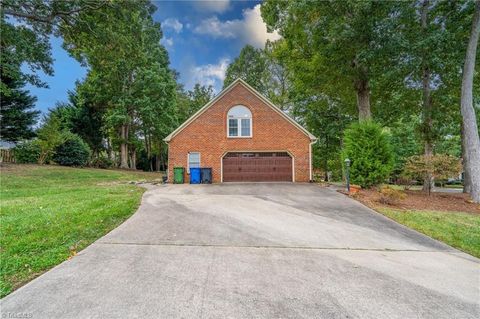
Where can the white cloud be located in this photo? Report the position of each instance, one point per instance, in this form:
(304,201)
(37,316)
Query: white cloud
(256,28)
(212,6)
(173,24)
(168,42)
(209,74)
(218,29)
(250,29)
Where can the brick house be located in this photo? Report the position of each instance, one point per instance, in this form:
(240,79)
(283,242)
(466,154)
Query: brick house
(242,136)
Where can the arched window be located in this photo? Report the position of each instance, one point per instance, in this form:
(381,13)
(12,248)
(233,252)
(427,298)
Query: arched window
(239,122)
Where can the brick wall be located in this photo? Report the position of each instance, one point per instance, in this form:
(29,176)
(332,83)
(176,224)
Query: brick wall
(208,135)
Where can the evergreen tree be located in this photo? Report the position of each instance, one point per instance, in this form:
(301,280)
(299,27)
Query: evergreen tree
(81,116)
(369,150)
(17,116)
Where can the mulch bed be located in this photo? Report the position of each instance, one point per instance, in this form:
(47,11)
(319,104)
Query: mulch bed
(418,200)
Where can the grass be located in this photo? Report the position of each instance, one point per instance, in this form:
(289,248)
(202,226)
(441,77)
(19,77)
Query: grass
(459,230)
(50,212)
(457,186)
(419,187)
(402,187)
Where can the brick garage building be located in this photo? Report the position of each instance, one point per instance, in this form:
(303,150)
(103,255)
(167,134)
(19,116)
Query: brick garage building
(243,137)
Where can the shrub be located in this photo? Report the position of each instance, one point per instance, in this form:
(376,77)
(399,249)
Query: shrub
(50,136)
(370,153)
(27,152)
(390,196)
(72,152)
(101,162)
(439,166)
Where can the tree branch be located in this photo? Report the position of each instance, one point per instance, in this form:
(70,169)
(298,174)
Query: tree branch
(54,14)
(29,16)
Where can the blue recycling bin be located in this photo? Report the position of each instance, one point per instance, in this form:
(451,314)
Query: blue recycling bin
(195,176)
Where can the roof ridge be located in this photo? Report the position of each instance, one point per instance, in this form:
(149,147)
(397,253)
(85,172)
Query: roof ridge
(225,91)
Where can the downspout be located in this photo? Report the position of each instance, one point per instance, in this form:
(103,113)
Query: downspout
(310,160)
(168,165)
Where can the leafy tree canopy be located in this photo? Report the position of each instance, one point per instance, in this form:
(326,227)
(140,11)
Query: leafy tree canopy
(338,48)
(250,66)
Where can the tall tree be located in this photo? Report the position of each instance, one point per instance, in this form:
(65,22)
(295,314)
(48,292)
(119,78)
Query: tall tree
(189,102)
(263,69)
(183,102)
(27,42)
(426,99)
(22,46)
(155,103)
(26,27)
(430,66)
(128,68)
(81,116)
(278,77)
(337,45)
(199,96)
(471,141)
(17,116)
(250,66)
(325,119)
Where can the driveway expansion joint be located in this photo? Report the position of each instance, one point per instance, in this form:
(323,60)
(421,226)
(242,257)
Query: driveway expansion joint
(268,247)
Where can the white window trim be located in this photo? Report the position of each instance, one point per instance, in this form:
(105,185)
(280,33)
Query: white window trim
(239,126)
(188,160)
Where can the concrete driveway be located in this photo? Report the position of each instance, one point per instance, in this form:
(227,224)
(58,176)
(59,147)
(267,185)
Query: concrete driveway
(256,251)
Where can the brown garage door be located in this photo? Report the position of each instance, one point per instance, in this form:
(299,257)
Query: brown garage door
(257,167)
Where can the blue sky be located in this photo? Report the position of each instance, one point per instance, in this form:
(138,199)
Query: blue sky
(202,37)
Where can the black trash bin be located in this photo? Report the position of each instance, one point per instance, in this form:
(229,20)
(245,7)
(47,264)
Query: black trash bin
(206,175)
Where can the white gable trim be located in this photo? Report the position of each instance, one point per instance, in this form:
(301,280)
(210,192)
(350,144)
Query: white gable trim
(225,91)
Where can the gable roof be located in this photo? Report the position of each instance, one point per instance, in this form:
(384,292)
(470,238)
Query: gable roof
(225,91)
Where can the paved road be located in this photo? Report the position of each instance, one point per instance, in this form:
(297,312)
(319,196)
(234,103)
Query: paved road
(256,251)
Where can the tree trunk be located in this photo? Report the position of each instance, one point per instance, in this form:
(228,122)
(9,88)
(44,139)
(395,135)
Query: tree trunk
(427,129)
(470,127)
(148,149)
(157,163)
(110,152)
(159,157)
(124,147)
(466,176)
(133,159)
(467,181)
(326,161)
(149,155)
(428,182)
(363,100)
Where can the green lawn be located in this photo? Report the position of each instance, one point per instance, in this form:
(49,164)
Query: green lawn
(459,230)
(419,187)
(48,212)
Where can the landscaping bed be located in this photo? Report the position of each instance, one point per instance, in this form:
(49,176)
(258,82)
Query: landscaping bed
(49,213)
(418,200)
(449,217)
